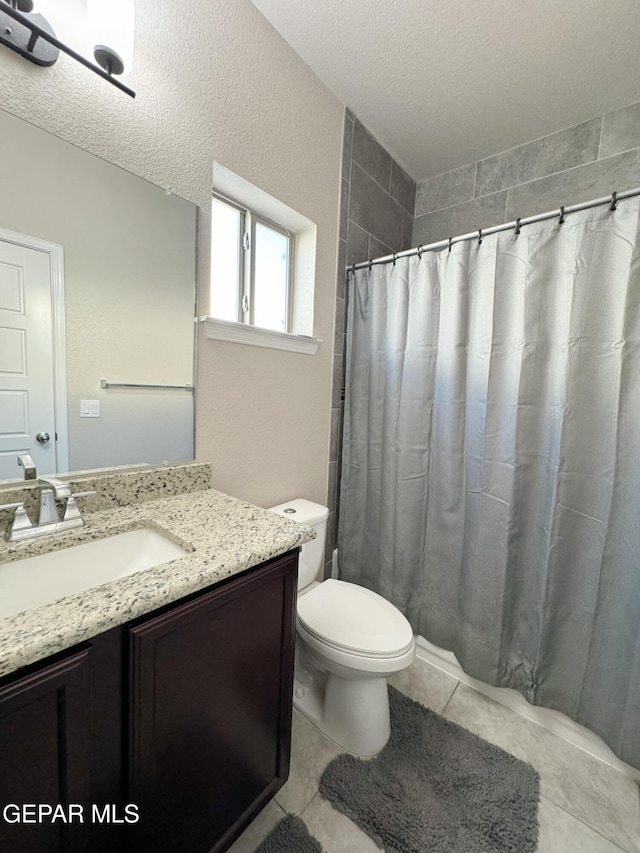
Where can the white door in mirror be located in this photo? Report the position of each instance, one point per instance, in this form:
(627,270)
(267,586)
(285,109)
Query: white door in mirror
(26,360)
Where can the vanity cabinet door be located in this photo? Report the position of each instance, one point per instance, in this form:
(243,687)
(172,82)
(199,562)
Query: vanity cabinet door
(45,749)
(211,702)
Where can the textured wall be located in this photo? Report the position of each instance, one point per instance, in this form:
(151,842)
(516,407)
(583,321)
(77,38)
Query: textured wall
(376,206)
(216,82)
(580,163)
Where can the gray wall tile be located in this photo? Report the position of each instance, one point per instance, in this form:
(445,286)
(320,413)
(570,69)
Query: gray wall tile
(402,187)
(339,327)
(554,153)
(621,131)
(370,155)
(407,231)
(445,190)
(344,209)
(342,264)
(374,209)
(347,145)
(478,213)
(337,380)
(581,184)
(334,435)
(377,249)
(357,244)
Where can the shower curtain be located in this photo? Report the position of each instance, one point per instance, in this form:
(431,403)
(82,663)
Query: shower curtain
(491,458)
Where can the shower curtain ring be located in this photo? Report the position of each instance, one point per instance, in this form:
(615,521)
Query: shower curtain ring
(614,201)
(394,258)
(419,253)
(450,243)
(370,264)
(562,215)
(518,226)
(479,236)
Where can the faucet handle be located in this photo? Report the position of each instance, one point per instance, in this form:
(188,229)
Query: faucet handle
(72,510)
(21,520)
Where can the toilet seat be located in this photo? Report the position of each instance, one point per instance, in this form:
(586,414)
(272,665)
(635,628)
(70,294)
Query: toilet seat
(354,621)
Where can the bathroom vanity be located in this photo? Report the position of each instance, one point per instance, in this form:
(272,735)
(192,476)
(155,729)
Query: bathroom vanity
(157,708)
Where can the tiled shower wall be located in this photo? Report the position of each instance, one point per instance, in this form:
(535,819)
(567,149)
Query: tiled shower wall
(580,163)
(376,218)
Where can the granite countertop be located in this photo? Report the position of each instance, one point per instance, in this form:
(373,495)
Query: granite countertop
(223,535)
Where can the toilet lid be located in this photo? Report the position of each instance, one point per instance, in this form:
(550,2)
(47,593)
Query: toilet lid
(353,618)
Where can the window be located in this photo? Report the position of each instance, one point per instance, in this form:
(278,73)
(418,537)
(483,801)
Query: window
(263,269)
(251,267)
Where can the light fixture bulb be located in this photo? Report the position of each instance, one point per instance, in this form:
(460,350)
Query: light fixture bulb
(111,25)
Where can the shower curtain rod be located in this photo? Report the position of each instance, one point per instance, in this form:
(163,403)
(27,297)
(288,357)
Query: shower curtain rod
(481,233)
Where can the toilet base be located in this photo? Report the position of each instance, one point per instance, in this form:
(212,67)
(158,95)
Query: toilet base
(353,712)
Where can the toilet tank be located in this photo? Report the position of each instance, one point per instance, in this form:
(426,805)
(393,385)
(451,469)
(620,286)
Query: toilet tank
(312,553)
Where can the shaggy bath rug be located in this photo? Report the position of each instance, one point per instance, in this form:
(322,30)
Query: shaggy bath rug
(436,787)
(290,836)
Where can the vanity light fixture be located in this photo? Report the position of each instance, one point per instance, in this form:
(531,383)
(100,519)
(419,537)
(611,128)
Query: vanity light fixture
(111,24)
(32,36)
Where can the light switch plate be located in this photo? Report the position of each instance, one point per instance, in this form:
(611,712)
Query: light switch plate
(89,408)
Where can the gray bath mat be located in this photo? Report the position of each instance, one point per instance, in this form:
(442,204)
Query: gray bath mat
(436,787)
(290,836)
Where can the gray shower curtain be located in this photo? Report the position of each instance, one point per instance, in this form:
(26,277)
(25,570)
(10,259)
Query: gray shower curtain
(491,458)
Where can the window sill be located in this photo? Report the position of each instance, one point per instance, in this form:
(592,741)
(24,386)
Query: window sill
(242,333)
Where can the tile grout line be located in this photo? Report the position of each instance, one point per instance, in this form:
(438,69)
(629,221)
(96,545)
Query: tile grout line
(460,203)
(446,704)
(587,825)
(601,135)
(354,162)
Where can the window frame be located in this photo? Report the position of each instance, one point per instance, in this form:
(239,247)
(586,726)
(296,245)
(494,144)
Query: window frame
(246,262)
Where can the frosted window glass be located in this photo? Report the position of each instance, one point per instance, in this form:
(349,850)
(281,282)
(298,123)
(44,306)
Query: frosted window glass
(271,276)
(226,225)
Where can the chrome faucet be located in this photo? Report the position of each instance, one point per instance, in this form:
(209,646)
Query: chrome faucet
(29,466)
(49,520)
(50,489)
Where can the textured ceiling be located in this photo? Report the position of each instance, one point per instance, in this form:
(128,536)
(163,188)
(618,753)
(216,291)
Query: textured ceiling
(442,83)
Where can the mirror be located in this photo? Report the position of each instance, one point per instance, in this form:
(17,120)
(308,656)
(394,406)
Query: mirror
(116,255)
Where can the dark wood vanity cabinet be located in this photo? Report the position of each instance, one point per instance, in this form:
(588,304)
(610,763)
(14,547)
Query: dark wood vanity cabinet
(44,747)
(185,714)
(61,736)
(211,693)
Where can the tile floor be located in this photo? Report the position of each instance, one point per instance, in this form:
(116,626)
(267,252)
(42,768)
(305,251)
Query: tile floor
(585,805)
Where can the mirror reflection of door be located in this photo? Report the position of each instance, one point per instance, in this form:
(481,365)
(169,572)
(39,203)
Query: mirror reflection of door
(27,359)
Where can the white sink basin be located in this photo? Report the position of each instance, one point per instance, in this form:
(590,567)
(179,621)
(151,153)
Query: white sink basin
(36,581)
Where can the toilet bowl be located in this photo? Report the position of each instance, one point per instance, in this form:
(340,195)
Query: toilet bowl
(349,640)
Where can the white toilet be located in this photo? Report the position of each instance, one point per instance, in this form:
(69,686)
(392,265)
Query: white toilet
(349,640)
